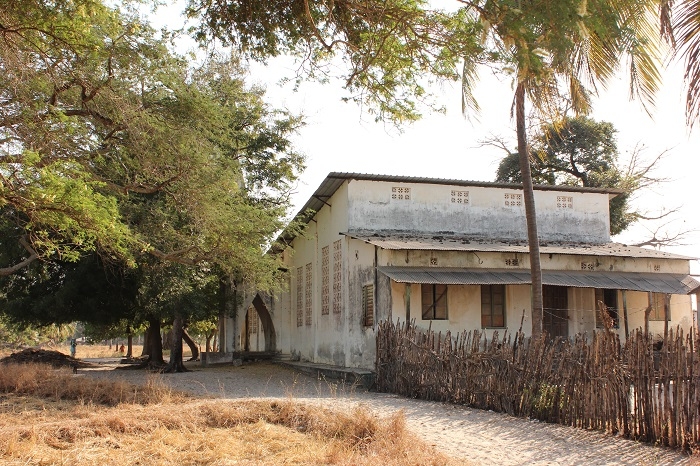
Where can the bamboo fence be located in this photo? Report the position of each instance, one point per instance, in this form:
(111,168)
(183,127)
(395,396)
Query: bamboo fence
(592,382)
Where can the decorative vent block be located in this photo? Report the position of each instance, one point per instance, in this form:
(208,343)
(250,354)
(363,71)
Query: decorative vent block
(459,197)
(565,202)
(587,266)
(513,200)
(433,261)
(300,296)
(512,262)
(325,281)
(657,268)
(337,277)
(307,310)
(401,194)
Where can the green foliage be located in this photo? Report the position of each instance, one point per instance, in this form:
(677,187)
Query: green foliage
(559,49)
(15,335)
(137,179)
(391,50)
(579,152)
(112,143)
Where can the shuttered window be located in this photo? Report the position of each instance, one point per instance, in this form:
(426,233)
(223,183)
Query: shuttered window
(434,302)
(493,306)
(368,305)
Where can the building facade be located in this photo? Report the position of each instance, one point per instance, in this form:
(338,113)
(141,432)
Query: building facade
(453,255)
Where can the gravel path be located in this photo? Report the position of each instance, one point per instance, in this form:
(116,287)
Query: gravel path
(476,436)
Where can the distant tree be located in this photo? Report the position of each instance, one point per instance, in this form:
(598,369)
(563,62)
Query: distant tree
(579,151)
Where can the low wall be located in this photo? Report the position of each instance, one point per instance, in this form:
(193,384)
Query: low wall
(220,358)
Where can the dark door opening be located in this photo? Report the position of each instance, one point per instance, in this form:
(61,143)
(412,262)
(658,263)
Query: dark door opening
(556,311)
(609,298)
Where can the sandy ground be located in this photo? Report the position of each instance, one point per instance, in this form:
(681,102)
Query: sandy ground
(476,436)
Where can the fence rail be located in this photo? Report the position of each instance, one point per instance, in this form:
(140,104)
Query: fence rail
(592,382)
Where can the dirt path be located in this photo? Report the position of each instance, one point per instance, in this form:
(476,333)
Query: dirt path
(479,437)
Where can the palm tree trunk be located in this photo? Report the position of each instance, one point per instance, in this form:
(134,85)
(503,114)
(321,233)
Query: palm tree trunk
(530,215)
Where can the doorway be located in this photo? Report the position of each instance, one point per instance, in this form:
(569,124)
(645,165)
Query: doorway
(555,301)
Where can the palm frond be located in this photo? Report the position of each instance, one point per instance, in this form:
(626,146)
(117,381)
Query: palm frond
(686,25)
(470,106)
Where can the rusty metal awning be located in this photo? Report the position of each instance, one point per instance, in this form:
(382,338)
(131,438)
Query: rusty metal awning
(633,281)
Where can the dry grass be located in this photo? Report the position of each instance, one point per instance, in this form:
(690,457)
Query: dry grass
(54,417)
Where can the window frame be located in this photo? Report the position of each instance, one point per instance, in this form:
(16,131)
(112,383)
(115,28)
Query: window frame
(657,310)
(438,295)
(491,305)
(368,305)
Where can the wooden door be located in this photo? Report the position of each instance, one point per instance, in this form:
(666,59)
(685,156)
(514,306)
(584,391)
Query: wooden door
(556,311)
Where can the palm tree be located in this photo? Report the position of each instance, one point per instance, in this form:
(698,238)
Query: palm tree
(561,49)
(680,25)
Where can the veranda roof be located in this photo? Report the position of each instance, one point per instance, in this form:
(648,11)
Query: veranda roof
(666,283)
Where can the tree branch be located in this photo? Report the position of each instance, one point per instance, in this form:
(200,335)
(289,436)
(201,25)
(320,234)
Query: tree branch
(33,255)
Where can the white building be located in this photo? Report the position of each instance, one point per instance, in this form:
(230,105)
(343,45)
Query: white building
(453,254)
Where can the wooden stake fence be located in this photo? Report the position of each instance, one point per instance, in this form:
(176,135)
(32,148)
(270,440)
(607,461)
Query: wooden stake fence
(591,383)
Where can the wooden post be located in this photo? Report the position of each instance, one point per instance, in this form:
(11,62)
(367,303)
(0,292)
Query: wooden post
(624,311)
(650,300)
(667,306)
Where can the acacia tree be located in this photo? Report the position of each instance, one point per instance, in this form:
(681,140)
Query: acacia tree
(112,143)
(579,151)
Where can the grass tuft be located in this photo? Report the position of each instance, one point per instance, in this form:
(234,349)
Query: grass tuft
(51,416)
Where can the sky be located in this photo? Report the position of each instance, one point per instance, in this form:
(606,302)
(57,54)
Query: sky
(342,137)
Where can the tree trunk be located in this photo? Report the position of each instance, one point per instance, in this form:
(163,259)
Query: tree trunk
(146,340)
(530,213)
(192,344)
(223,309)
(153,346)
(129,345)
(176,364)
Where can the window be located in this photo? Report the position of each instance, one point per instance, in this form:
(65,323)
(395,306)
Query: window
(337,277)
(300,296)
(368,305)
(252,316)
(434,301)
(493,308)
(307,311)
(565,202)
(401,194)
(658,301)
(325,281)
(609,298)
(513,200)
(459,197)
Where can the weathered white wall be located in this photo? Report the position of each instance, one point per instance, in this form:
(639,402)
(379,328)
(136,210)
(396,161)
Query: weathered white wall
(463,308)
(342,339)
(334,338)
(464,301)
(430,210)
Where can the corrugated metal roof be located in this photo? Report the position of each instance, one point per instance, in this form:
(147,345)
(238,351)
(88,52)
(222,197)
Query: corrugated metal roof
(655,282)
(334,180)
(455,243)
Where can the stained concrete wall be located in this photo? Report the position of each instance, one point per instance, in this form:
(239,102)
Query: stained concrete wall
(341,338)
(430,208)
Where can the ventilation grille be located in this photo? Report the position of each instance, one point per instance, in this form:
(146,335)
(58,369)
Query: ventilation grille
(401,194)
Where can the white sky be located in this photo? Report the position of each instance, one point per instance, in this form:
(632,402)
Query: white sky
(341,137)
